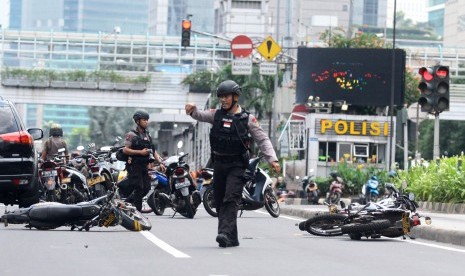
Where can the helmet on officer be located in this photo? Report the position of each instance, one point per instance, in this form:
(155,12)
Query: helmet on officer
(56,130)
(140,114)
(228,87)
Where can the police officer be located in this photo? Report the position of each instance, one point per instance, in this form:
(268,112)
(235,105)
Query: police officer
(54,143)
(230,142)
(138,146)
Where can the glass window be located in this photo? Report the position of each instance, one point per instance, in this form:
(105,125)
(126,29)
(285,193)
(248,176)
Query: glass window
(327,151)
(344,152)
(7,120)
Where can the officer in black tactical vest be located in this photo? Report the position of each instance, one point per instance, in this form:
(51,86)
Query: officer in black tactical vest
(138,146)
(230,142)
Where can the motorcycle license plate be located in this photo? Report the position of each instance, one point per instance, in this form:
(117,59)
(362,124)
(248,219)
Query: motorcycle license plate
(405,223)
(49,173)
(179,185)
(95,180)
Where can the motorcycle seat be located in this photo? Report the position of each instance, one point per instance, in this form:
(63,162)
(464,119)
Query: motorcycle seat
(55,212)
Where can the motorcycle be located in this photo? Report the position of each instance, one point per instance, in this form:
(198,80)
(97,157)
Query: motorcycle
(370,191)
(204,180)
(181,194)
(257,192)
(333,196)
(104,211)
(392,218)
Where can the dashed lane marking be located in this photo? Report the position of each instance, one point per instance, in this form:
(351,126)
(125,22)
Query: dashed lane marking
(163,245)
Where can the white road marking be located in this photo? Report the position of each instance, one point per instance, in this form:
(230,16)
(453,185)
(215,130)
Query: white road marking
(281,216)
(163,245)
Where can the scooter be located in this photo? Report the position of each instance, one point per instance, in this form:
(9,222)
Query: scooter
(370,191)
(257,192)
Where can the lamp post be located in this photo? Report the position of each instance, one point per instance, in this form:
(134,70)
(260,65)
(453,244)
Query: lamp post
(391,104)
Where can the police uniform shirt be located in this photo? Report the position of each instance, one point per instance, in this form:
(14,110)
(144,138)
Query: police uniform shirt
(257,133)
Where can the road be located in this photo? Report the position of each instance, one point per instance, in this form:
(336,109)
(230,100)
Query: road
(179,246)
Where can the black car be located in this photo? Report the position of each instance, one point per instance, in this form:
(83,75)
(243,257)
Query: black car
(18,158)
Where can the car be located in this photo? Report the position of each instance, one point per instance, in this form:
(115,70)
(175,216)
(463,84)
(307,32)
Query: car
(19,182)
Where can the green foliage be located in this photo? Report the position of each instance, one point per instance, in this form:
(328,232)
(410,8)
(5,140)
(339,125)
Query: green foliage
(437,181)
(72,75)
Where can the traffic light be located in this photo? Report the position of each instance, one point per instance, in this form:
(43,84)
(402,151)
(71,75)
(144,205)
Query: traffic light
(426,86)
(186,33)
(442,88)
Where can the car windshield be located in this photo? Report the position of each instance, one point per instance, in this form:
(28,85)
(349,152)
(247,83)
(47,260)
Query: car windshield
(7,121)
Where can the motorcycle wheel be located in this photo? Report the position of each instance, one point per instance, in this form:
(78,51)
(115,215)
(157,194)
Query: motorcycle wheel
(133,220)
(209,202)
(334,198)
(324,225)
(271,203)
(189,211)
(362,228)
(157,205)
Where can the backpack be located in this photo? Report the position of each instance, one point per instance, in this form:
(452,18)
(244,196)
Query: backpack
(120,156)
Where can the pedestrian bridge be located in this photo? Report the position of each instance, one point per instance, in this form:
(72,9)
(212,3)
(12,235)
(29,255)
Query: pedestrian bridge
(164,92)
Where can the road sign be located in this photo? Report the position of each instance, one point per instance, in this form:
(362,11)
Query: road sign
(412,113)
(241,46)
(268,68)
(269,49)
(242,66)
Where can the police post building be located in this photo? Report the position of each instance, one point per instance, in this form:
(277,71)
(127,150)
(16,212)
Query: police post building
(332,85)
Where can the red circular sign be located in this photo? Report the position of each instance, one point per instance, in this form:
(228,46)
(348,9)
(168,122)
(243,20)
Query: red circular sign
(241,46)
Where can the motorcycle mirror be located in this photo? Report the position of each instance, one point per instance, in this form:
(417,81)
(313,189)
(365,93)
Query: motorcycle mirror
(427,220)
(180,144)
(79,148)
(411,196)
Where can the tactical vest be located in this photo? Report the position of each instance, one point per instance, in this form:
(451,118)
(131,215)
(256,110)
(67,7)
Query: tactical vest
(53,145)
(230,134)
(138,143)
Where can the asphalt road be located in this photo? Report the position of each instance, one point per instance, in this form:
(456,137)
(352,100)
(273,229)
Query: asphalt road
(179,246)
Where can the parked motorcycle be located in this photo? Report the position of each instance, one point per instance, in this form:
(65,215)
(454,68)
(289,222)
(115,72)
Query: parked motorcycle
(104,211)
(333,196)
(257,192)
(372,220)
(370,191)
(181,194)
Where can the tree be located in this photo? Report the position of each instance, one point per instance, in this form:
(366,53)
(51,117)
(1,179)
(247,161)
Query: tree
(257,90)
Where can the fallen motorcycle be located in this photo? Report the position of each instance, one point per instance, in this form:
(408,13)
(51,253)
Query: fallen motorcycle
(394,218)
(257,192)
(104,211)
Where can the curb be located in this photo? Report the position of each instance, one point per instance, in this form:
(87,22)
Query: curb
(427,232)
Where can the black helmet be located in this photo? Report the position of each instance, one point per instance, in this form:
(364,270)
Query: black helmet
(56,130)
(139,114)
(228,87)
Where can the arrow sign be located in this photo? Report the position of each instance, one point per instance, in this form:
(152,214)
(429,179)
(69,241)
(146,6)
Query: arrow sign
(241,46)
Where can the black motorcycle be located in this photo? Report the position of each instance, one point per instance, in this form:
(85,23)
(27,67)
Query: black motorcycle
(104,211)
(181,194)
(393,218)
(257,192)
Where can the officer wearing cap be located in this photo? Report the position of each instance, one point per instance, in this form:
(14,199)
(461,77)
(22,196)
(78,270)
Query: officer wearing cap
(230,138)
(138,146)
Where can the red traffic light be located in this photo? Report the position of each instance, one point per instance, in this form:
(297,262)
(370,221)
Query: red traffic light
(426,73)
(186,24)
(442,72)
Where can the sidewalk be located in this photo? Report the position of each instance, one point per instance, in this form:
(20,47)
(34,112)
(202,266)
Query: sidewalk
(446,228)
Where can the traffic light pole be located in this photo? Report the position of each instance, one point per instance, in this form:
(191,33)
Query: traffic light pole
(436,136)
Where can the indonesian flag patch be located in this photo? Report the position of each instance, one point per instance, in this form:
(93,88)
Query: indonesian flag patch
(227,123)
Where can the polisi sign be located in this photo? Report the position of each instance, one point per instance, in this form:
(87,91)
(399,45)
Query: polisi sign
(358,128)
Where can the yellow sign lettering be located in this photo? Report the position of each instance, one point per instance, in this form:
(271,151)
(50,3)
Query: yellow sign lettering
(325,124)
(353,131)
(337,128)
(374,128)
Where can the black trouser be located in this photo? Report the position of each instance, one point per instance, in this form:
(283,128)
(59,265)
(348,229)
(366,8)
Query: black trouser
(227,185)
(140,180)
